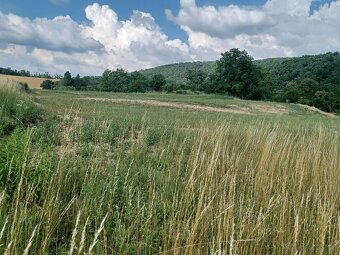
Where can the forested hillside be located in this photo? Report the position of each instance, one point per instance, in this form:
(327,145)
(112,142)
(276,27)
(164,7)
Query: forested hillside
(323,68)
(311,80)
(178,72)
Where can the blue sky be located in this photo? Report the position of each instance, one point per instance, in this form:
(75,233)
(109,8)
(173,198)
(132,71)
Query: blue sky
(76,9)
(137,34)
(124,8)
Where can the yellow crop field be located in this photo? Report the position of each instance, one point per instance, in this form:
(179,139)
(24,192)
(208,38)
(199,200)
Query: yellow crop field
(33,82)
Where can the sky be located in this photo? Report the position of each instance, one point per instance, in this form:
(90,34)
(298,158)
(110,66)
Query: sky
(88,37)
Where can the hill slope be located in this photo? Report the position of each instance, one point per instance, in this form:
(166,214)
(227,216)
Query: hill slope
(177,72)
(324,68)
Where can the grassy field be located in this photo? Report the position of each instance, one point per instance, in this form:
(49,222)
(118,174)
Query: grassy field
(105,173)
(33,82)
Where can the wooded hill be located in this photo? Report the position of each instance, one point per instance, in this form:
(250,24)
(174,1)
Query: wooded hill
(324,68)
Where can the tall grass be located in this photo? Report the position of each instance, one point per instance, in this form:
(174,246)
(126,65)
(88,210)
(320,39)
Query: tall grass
(228,188)
(16,108)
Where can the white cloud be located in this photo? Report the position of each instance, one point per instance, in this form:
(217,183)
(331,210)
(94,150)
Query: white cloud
(60,33)
(223,21)
(135,43)
(278,28)
(289,7)
(61,44)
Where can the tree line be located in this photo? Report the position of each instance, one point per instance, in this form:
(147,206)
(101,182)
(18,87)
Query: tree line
(235,74)
(25,73)
(113,81)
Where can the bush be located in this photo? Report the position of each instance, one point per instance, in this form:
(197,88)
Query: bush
(171,87)
(304,101)
(47,84)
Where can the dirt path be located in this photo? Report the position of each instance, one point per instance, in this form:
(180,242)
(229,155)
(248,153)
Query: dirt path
(233,108)
(314,109)
(169,105)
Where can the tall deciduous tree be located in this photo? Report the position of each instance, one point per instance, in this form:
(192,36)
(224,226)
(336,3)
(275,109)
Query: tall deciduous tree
(67,80)
(77,82)
(238,75)
(157,82)
(196,79)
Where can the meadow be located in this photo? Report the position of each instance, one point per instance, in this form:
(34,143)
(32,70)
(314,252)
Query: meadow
(110,173)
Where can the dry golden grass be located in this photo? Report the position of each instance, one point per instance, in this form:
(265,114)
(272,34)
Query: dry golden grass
(223,189)
(33,82)
(229,187)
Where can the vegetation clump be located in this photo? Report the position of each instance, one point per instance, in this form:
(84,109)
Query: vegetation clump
(16,108)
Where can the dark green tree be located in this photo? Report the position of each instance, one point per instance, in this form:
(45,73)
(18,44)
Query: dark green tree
(67,80)
(157,82)
(324,100)
(237,75)
(138,83)
(195,80)
(47,84)
(105,81)
(211,82)
(115,81)
(300,91)
(77,82)
(264,90)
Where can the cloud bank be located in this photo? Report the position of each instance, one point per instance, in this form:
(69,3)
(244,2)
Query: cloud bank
(276,29)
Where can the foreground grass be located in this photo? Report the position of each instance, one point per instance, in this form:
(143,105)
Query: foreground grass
(141,180)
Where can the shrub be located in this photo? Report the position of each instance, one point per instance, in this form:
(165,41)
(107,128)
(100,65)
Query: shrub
(47,84)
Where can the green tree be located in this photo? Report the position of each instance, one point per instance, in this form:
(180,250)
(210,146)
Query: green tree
(237,75)
(105,81)
(77,82)
(115,81)
(323,100)
(157,82)
(67,80)
(291,93)
(195,79)
(47,84)
(264,90)
(138,83)
(300,91)
(211,82)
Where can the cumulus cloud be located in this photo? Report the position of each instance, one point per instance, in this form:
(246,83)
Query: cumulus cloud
(278,28)
(60,33)
(138,42)
(221,22)
(103,42)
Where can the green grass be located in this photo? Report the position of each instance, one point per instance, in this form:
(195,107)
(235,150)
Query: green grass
(112,178)
(16,108)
